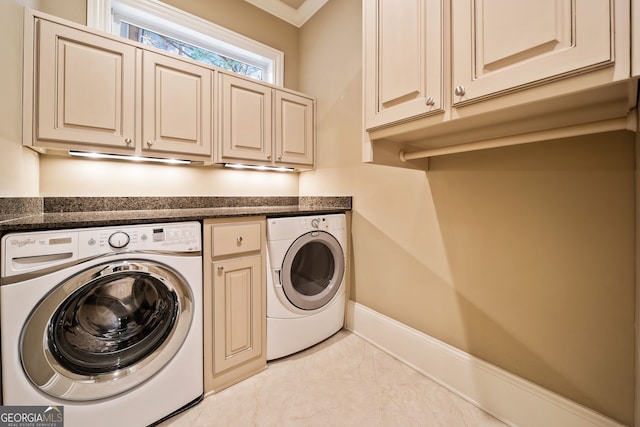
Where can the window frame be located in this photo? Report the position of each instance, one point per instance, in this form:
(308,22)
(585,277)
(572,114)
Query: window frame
(152,14)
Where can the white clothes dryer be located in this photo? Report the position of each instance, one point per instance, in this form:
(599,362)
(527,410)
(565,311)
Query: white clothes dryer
(103,322)
(306,291)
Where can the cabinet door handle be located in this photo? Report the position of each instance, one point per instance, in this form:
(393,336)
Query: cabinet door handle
(430,101)
(459,91)
(239,240)
(150,143)
(220,269)
(127,141)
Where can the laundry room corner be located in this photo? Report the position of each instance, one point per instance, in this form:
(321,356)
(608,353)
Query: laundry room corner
(411,262)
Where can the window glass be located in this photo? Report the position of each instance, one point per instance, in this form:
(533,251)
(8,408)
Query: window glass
(178,47)
(165,27)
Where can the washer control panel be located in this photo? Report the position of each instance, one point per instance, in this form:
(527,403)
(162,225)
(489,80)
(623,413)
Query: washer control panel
(33,251)
(170,237)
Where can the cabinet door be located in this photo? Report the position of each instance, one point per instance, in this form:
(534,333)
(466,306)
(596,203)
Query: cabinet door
(245,120)
(402,60)
(86,88)
(502,45)
(294,129)
(177,106)
(237,311)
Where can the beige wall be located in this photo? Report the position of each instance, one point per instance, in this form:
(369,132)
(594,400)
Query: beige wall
(62,176)
(73,10)
(522,256)
(540,245)
(18,166)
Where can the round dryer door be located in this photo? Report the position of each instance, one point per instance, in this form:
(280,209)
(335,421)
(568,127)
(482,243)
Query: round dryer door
(106,329)
(312,270)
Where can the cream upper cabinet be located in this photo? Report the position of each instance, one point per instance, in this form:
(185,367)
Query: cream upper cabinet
(294,129)
(262,125)
(403,60)
(176,106)
(95,93)
(245,120)
(504,45)
(512,72)
(85,94)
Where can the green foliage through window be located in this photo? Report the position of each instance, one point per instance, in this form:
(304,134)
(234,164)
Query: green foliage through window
(169,44)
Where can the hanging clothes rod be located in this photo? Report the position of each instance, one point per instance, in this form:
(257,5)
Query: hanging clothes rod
(620,123)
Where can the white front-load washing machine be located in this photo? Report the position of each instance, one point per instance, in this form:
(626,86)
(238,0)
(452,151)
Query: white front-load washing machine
(104,324)
(306,291)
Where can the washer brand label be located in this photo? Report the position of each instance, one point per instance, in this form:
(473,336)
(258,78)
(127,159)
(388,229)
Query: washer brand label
(31,416)
(23,242)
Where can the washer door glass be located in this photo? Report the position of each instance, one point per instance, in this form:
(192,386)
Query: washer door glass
(312,270)
(113,323)
(107,329)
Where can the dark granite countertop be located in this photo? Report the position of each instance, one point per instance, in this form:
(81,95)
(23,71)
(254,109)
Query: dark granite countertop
(22,214)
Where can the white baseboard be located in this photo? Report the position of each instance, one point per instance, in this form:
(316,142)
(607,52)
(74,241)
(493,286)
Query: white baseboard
(506,396)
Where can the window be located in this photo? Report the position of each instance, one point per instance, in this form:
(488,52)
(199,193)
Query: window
(156,24)
(151,38)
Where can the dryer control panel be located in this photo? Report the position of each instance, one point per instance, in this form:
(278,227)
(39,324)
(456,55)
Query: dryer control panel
(293,227)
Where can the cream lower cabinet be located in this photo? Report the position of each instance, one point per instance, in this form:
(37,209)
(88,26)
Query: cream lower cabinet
(234,301)
(262,125)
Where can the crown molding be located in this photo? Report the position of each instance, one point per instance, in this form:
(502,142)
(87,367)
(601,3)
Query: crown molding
(293,16)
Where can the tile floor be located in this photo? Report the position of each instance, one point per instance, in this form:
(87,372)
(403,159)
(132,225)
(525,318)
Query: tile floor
(343,381)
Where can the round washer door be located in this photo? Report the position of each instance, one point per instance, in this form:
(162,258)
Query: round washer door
(312,270)
(106,329)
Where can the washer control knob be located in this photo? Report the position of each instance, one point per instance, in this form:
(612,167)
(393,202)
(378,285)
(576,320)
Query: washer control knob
(119,240)
(315,222)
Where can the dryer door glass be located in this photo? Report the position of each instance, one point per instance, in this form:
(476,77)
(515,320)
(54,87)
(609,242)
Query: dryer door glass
(312,270)
(106,329)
